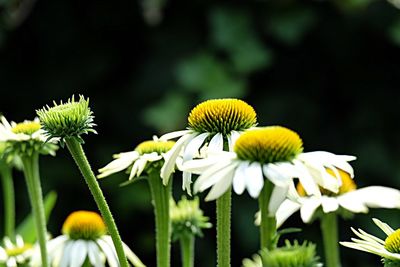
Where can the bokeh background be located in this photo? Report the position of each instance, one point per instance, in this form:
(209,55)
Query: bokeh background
(327,69)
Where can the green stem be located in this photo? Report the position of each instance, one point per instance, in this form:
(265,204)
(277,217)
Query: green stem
(32,177)
(329,228)
(161,196)
(76,150)
(268,223)
(224,229)
(9,200)
(187,250)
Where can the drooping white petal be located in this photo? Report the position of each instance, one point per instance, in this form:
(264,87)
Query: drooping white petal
(198,166)
(122,161)
(376,197)
(173,135)
(329,204)
(254,179)
(222,185)
(239,183)
(94,254)
(193,146)
(153,156)
(306,180)
(65,260)
(132,257)
(170,157)
(78,253)
(277,197)
(352,203)
(274,173)
(308,208)
(108,250)
(186,182)
(232,137)
(285,210)
(208,177)
(216,143)
(141,164)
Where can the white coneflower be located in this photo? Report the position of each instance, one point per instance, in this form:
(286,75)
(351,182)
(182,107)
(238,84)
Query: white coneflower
(12,254)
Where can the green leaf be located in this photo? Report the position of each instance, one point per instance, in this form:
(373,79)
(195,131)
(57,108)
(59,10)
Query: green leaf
(27,228)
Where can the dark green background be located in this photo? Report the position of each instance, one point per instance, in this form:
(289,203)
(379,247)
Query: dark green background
(326,69)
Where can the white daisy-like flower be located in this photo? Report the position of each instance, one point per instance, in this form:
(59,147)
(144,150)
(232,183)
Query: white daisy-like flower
(12,254)
(389,249)
(146,153)
(84,239)
(211,123)
(348,197)
(24,136)
(272,152)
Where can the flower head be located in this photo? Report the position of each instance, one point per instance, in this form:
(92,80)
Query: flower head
(187,218)
(211,124)
(147,155)
(347,199)
(274,153)
(23,138)
(84,239)
(389,249)
(12,254)
(291,255)
(67,120)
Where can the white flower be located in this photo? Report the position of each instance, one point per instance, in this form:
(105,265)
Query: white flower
(145,153)
(388,248)
(23,131)
(348,198)
(273,153)
(11,254)
(84,239)
(211,124)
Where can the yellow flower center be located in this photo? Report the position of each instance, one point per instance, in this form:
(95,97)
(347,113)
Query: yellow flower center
(154,146)
(222,116)
(392,242)
(268,144)
(12,252)
(348,185)
(26,127)
(84,225)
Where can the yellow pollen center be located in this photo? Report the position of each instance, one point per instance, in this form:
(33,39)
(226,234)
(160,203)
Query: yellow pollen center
(11,252)
(84,225)
(222,116)
(268,145)
(154,146)
(28,127)
(348,185)
(392,242)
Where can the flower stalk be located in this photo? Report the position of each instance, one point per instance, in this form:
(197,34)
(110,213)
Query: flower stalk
(224,206)
(161,196)
(76,150)
(32,177)
(187,250)
(329,228)
(268,222)
(8,198)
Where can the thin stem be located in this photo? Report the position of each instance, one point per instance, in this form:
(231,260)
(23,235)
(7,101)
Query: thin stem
(76,150)
(224,229)
(187,250)
(9,200)
(268,222)
(32,177)
(329,228)
(161,196)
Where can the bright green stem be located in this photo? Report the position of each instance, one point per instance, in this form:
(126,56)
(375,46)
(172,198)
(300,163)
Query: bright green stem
(76,150)
(187,250)
(31,171)
(9,200)
(268,222)
(224,229)
(161,196)
(329,228)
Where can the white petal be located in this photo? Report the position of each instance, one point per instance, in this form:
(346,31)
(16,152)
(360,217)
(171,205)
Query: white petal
(123,161)
(306,179)
(285,210)
(108,250)
(216,143)
(78,253)
(153,156)
(254,179)
(377,197)
(193,146)
(351,202)
(239,183)
(308,208)
(383,226)
(186,182)
(209,177)
(174,135)
(277,197)
(276,174)
(170,157)
(65,260)
(94,255)
(132,257)
(222,185)
(329,204)
(198,166)
(232,137)
(141,164)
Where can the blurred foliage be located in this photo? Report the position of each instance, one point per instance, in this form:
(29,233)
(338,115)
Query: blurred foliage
(327,69)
